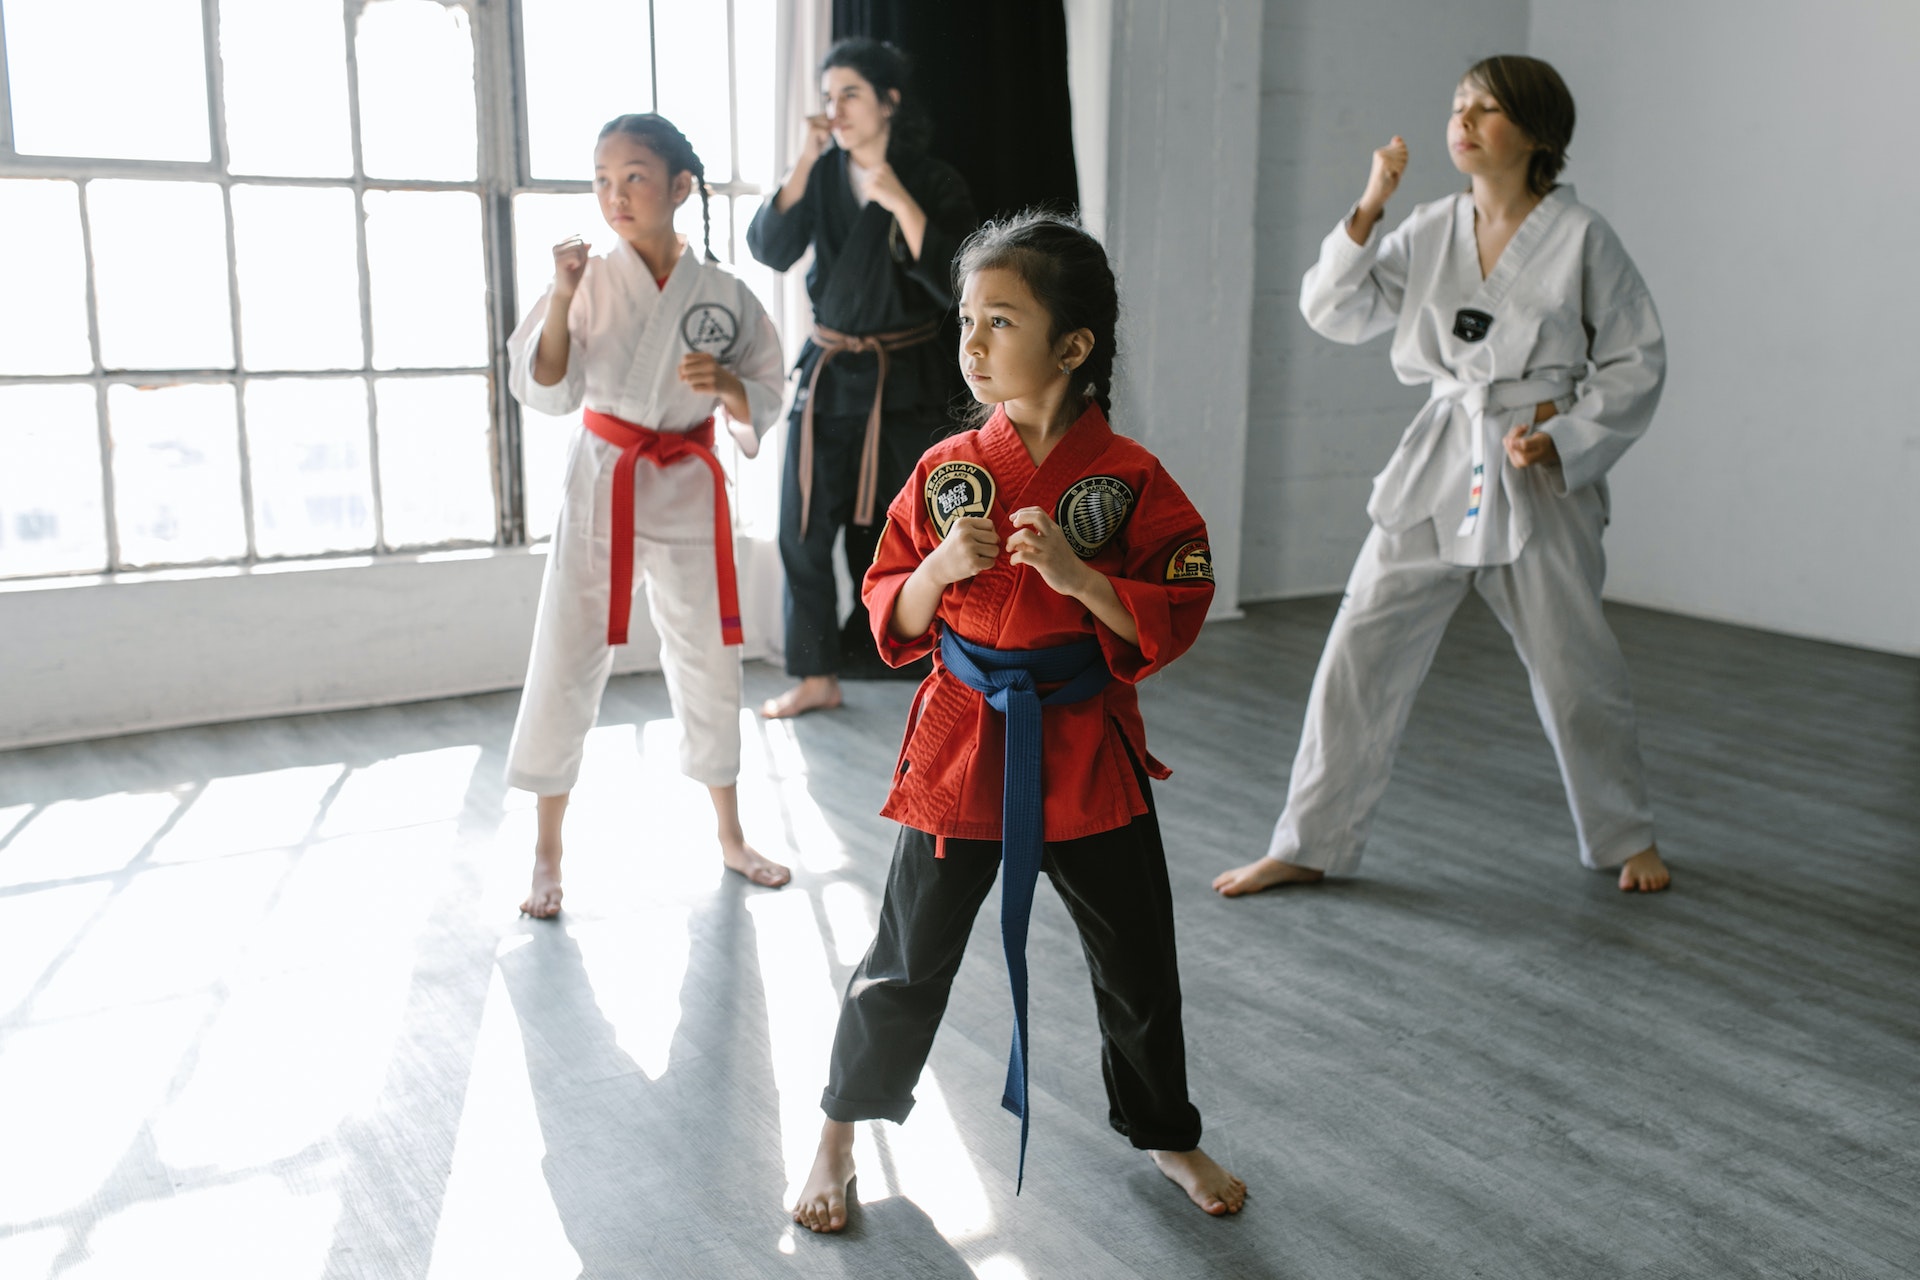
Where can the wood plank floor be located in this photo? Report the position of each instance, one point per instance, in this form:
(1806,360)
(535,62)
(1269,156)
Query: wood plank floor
(267,1010)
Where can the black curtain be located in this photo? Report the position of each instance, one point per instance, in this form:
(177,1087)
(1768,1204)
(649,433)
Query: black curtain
(992,75)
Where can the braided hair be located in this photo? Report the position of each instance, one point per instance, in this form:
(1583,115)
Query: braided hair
(1068,274)
(661,137)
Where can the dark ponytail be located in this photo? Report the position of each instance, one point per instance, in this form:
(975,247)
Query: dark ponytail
(1068,273)
(660,136)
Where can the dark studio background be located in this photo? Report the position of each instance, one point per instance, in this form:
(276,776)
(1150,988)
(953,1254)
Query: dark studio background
(992,75)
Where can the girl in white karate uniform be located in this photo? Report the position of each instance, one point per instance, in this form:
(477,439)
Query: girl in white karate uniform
(652,340)
(1522,311)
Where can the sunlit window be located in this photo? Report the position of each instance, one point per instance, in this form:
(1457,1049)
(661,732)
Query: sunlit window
(274,248)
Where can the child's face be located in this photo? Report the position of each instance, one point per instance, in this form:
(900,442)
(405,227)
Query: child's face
(1481,138)
(1005,351)
(637,195)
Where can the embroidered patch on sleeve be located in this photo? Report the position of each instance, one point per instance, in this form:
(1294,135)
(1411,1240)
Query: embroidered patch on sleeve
(1191,563)
(1091,511)
(956,489)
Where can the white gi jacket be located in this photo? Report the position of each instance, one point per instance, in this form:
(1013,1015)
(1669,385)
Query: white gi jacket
(1571,322)
(628,337)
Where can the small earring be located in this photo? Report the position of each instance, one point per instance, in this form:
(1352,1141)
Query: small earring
(1065,367)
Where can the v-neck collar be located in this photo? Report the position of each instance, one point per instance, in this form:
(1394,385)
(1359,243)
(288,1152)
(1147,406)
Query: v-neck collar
(638,265)
(1012,465)
(1525,239)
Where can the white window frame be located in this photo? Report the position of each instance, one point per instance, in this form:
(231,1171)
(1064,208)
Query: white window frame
(504,171)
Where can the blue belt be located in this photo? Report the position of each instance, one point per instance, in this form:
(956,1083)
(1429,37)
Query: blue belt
(1009,679)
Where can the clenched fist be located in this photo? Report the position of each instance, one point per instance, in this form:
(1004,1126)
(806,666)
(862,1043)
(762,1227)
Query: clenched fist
(569,265)
(1038,541)
(970,547)
(1389,163)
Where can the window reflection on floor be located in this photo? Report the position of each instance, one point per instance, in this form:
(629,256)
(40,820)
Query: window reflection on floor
(230,1002)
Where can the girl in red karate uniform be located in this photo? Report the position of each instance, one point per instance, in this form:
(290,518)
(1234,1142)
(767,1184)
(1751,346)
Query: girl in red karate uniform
(1061,564)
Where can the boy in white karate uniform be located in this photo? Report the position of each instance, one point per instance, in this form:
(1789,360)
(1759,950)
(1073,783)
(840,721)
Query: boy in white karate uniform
(651,340)
(1545,357)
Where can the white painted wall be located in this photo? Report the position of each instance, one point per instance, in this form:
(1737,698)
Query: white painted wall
(1183,126)
(1337,79)
(1090,86)
(1753,158)
(150,651)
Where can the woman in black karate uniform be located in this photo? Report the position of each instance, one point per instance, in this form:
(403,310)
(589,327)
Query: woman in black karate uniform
(883,219)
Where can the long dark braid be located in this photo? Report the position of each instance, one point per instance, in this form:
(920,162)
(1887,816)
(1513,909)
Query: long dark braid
(665,140)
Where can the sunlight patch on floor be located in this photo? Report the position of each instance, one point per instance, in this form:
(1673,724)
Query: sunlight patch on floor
(173,930)
(774,795)
(31,1254)
(248,812)
(802,1008)
(637,965)
(317,1003)
(498,1217)
(243,1231)
(402,791)
(76,1094)
(36,928)
(71,838)
(933,1167)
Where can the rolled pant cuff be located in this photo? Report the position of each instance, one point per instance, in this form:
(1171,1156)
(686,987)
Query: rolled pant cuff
(1612,855)
(1289,852)
(849,1110)
(1167,1140)
(554,785)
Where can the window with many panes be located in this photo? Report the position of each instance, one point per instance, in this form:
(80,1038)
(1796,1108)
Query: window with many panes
(259,258)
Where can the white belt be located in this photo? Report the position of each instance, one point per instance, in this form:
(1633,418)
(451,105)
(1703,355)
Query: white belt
(1479,399)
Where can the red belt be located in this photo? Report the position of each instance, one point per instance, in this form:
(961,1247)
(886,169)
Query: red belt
(663,448)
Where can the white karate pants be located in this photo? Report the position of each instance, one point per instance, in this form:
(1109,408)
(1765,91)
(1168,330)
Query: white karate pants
(1398,602)
(571,658)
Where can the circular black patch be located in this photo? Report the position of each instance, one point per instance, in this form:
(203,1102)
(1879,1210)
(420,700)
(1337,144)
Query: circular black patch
(1091,511)
(711,328)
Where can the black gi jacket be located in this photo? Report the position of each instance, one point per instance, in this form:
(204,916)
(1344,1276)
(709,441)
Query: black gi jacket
(863,279)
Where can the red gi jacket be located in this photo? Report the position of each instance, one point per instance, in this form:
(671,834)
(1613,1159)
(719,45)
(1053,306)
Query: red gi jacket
(1123,514)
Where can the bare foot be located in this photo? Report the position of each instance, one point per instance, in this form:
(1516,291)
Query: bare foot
(1206,1183)
(823,1201)
(1263,873)
(1645,872)
(543,901)
(813,693)
(754,865)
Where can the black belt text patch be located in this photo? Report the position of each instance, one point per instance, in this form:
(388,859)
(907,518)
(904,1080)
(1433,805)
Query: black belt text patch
(956,489)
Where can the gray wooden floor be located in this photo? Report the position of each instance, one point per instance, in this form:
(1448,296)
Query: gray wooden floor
(267,1010)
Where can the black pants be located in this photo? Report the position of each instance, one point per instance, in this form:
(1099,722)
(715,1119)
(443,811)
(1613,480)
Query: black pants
(1115,887)
(816,638)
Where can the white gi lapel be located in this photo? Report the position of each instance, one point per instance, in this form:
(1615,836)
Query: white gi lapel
(656,355)
(1476,329)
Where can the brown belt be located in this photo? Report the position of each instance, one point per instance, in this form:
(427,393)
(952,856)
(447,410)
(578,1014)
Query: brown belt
(831,344)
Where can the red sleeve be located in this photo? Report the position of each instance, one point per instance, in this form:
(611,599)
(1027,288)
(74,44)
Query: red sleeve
(902,548)
(1167,583)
